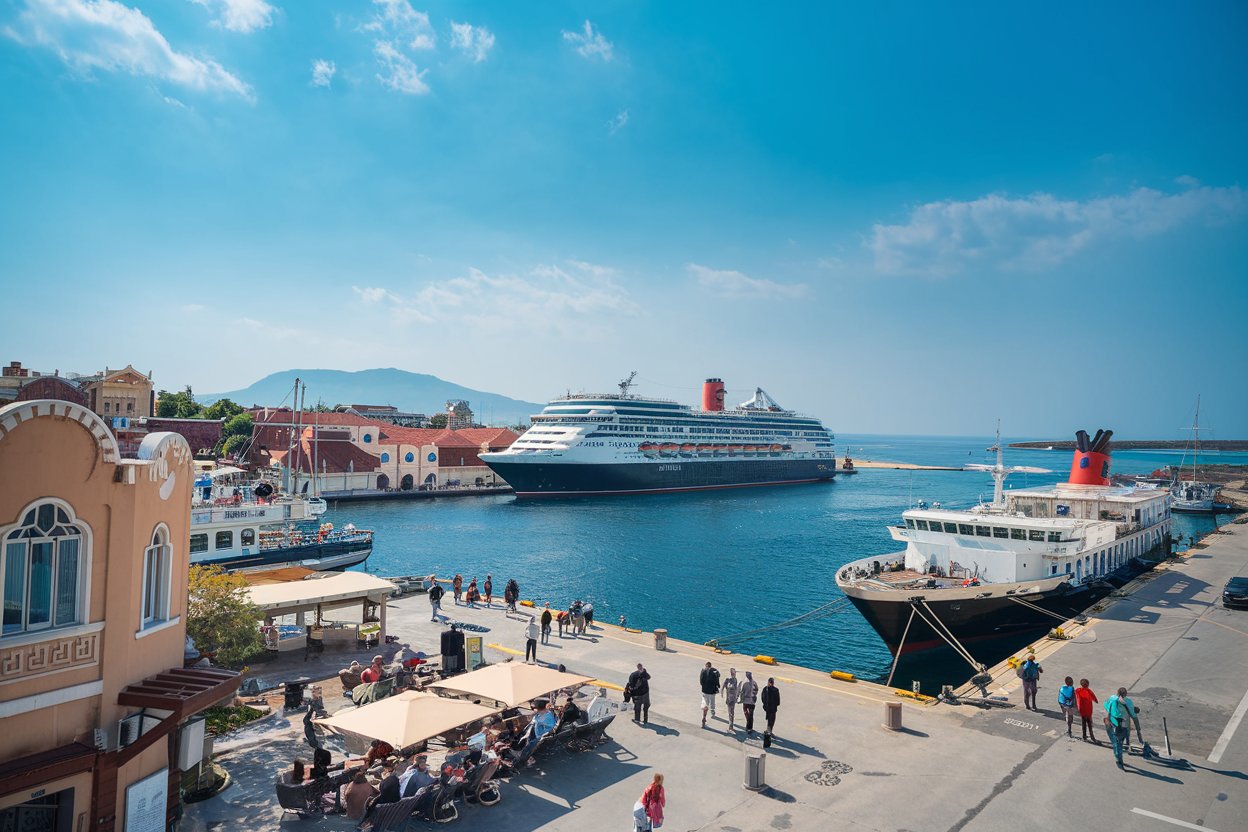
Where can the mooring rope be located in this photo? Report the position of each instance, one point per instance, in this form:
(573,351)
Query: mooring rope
(830,608)
(902,644)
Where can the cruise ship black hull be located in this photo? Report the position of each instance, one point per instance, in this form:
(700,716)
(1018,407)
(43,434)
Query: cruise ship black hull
(542,479)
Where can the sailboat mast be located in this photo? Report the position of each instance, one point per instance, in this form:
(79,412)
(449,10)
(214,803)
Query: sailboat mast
(1196,438)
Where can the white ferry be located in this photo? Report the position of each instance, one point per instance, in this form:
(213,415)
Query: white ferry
(1023,562)
(620,443)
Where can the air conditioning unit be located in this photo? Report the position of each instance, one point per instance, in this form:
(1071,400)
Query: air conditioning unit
(129,729)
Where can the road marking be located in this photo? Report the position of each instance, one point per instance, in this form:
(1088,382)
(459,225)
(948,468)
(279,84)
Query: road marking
(1229,730)
(1019,723)
(504,649)
(1175,821)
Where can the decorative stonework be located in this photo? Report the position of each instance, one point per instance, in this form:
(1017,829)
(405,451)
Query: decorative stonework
(52,655)
(14,414)
(168,453)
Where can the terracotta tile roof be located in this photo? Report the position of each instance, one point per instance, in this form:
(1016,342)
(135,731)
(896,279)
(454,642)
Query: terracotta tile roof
(454,439)
(394,435)
(490,437)
(287,417)
(333,456)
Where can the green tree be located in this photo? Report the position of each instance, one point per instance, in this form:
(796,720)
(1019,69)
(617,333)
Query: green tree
(221,618)
(232,444)
(240,425)
(178,405)
(222,409)
(437,420)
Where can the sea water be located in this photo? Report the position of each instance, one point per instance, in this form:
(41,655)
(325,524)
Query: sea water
(705,565)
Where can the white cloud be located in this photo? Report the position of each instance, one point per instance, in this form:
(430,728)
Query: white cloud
(476,41)
(109,36)
(546,298)
(1038,231)
(398,20)
(590,43)
(323,72)
(400,72)
(618,122)
(240,15)
(1186,181)
(733,284)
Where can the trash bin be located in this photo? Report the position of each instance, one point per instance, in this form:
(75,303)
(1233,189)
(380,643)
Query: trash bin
(755,768)
(892,716)
(294,693)
(660,639)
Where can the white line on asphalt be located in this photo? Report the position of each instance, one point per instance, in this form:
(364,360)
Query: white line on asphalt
(1175,821)
(1229,730)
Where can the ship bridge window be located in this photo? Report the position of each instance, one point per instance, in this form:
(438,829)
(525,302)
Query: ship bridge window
(1000,531)
(983,531)
(1018,534)
(966,529)
(1036,535)
(921,525)
(910,523)
(1055,537)
(951,528)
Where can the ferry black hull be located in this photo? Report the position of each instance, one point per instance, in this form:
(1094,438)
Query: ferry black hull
(320,556)
(540,479)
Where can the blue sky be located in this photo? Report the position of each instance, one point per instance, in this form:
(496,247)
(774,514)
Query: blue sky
(901,218)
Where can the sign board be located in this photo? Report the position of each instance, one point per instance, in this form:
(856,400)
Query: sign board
(473,646)
(146,801)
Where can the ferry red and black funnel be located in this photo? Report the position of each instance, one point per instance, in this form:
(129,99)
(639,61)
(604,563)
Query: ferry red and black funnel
(1091,463)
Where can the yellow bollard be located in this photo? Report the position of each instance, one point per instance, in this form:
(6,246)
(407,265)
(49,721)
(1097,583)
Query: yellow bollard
(527,604)
(843,676)
(765,659)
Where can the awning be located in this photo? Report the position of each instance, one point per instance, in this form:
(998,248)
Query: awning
(292,596)
(277,576)
(224,470)
(185,691)
(512,682)
(406,718)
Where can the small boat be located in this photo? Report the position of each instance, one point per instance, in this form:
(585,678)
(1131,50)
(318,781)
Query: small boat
(706,450)
(776,449)
(650,449)
(669,449)
(688,449)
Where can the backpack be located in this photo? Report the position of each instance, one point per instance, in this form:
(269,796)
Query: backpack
(1029,671)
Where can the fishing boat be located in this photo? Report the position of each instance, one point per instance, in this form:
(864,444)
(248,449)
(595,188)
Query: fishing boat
(602,444)
(1019,564)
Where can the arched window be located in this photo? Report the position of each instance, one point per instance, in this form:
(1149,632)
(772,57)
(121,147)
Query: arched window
(433,457)
(410,457)
(368,437)
(157,576)
(44,567)
(385,457)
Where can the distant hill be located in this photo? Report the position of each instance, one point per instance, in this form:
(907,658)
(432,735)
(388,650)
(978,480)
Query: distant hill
(411,392)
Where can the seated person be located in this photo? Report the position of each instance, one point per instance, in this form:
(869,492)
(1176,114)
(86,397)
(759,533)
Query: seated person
(571,715)
(350,677)
(321,764)
(378,750)
(543,724)
(356,794)
(297,773)
(388,791)
(416,777)
(374,671)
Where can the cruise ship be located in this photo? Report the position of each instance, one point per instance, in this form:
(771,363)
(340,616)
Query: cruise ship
(1022,563)
(622,443)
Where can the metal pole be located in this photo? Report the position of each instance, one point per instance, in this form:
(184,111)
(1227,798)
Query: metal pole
(1166,731)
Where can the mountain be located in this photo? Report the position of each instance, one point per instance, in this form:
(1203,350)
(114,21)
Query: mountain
(409,392)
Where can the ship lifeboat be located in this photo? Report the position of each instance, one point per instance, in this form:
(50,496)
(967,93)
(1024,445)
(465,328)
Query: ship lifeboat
(734,450)
(649,448)
(719,450)
(776,449)
(688,449)
(669,448)
(706,450)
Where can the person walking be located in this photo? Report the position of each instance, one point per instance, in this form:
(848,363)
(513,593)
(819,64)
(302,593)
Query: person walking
(1084,700)
(1118,723)
(709,680)
(1066,701)
(747,695)
(511,594)
(1029,671)
(435,598)
(648,811)
(488,587)
(473,594)
(458,586)
(729,690)
(771,703)
(530,643)
(638,690)
(546,618)
(562,618)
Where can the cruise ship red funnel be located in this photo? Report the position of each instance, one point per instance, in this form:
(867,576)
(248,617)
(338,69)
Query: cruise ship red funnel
(1090,465)
(713,395)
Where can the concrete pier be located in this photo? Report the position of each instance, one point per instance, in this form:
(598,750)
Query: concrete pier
(835,765)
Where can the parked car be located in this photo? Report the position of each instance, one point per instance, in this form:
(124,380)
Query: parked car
(1235,593)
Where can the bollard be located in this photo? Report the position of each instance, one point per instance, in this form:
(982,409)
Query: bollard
(892,716)
(843,676)
(660,640)
(755,768)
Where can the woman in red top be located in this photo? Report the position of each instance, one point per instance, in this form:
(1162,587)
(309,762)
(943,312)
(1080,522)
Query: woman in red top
(653,799)
(1084,699)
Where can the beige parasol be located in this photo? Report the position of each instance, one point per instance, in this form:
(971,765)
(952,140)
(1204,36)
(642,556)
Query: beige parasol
(405,718)
(511,683)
